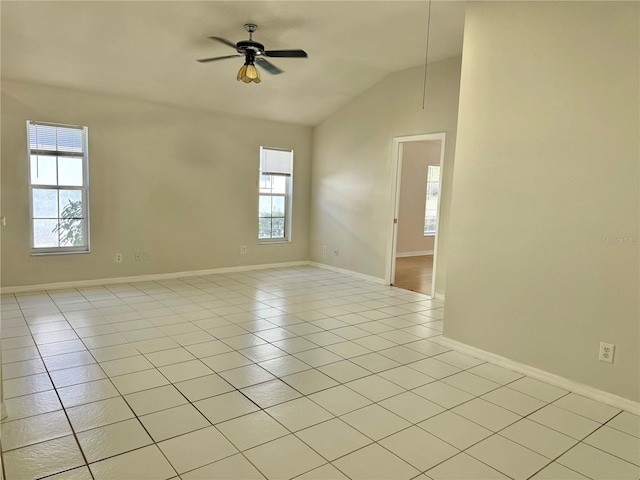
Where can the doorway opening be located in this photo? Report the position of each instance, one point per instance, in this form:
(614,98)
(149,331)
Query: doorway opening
(415,212)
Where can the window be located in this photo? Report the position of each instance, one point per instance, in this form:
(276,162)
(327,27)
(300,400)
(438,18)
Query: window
(274,207)
(431,207)
(59,188)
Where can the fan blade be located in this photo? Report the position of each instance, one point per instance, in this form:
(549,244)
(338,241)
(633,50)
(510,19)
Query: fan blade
(225,41)
(286,53)
(268,66)
(213,59)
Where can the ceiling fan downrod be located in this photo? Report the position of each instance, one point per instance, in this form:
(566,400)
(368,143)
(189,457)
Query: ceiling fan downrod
(250,27)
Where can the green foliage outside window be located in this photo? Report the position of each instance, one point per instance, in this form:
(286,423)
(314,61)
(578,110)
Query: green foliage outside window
(70,228)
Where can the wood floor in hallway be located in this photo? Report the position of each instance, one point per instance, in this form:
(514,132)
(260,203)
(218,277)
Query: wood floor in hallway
(414,273)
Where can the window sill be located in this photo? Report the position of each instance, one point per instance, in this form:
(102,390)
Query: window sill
(429,235)
(272,242)
(74,252)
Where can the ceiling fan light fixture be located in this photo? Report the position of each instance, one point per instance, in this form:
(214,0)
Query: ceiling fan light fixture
(249,73)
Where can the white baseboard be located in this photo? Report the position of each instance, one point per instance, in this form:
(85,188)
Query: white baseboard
(168,276)
(439,296)
(414,254)
(351,273)
(544,376)
(146,278)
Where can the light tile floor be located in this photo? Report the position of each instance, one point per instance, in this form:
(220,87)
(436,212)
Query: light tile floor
(282,373)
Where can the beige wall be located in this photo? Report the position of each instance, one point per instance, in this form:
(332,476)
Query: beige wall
(547,166)
(180,184)
(3,410)
(416,157)
(351,173)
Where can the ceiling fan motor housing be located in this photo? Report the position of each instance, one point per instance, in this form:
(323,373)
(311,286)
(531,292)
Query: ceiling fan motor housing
(244,46)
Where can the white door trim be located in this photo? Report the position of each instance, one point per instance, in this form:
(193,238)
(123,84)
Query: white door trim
(394,203)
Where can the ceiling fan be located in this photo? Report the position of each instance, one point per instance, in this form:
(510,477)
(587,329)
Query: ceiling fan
(254,52)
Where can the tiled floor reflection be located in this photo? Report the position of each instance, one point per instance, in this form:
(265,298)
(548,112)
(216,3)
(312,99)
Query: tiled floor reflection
(283,373)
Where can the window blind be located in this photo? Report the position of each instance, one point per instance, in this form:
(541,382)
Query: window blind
(56,140)
(276,162)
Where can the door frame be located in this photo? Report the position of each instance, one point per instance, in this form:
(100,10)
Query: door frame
(394,203)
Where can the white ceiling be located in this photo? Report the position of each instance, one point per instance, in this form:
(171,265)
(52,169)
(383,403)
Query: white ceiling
(148,49)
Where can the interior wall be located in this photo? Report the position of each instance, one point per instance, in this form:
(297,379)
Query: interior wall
(416,157)
(180,184)
(544,261)
(3,410)
(351,173)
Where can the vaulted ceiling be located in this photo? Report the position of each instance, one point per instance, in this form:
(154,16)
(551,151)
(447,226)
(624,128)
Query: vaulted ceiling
(148,49)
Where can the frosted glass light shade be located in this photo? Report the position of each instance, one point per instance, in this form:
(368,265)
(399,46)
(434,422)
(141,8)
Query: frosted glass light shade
(249,73)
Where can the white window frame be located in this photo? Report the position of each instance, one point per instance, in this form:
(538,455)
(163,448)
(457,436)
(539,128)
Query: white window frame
(288,196)
(430,233)
(85,248)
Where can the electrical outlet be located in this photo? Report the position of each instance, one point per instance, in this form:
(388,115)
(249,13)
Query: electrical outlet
(138,256)
(607,350)
(336,251)
(145,256)
(324,249)
(118,258)
(243,249)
